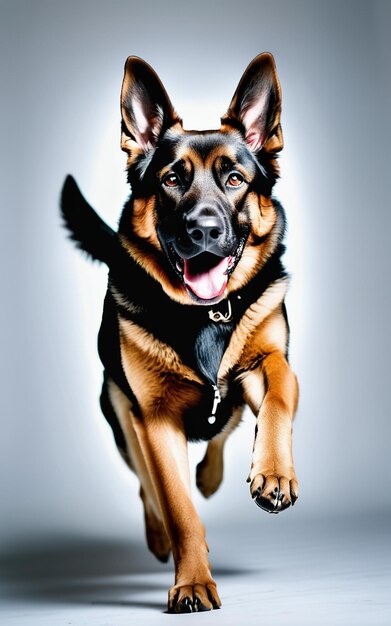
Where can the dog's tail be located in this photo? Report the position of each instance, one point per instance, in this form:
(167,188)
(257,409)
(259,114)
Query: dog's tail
(86,228)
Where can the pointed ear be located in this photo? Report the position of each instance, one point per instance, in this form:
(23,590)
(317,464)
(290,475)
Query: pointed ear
(145,106)
(256,105)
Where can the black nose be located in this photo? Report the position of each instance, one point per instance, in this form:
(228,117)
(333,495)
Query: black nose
(205,227)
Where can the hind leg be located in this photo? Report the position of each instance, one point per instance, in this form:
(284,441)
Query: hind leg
(157,538)
(210,470)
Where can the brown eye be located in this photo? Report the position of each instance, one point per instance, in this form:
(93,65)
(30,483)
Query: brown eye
(235,180)
(171,180)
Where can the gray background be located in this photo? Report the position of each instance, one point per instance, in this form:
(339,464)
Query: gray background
(61,72)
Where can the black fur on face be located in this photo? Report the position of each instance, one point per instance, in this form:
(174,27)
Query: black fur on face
(201,182)
(197,185)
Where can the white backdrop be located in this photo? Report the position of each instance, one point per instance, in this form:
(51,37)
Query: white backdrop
(61,73)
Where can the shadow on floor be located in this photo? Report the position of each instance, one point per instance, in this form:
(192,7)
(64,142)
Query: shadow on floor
(92,572)
(79,557)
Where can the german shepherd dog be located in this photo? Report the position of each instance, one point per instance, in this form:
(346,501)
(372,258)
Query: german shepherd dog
(194,322)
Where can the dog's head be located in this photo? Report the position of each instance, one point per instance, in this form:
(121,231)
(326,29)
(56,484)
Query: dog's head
(200,219)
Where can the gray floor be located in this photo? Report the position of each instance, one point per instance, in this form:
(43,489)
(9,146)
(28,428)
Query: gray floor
(284,571)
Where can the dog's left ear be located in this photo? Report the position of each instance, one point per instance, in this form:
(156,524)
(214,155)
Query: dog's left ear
(256,105)
(145,106)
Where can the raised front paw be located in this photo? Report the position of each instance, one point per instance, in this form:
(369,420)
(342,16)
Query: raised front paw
(274,493)
(193,598)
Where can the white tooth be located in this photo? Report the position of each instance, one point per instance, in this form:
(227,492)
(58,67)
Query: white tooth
(178,266)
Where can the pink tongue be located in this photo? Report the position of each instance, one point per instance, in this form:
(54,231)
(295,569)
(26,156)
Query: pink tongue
(209,284)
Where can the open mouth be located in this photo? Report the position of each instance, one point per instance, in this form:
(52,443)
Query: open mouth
(205,275)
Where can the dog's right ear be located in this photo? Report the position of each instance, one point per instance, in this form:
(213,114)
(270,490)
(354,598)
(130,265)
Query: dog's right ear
(145,107)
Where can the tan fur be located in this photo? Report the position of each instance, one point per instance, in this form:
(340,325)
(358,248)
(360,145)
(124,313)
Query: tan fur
(164,447)
(142,351)
(165,387)
(250,322)
(124,302)
(272,462)
(158,449)
(123,408)
(187,164)
(271,391)
(254,389)
(157,538)
(143,221)
(155,265)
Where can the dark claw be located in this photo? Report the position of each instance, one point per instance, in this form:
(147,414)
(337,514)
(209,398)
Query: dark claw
(274,505)
(185,606)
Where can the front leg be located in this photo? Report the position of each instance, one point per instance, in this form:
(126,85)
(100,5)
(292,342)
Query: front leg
(164,446)
(164,388)
(273,480)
